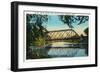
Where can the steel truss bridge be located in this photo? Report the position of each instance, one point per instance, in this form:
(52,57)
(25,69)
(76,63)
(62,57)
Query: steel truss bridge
(61,35)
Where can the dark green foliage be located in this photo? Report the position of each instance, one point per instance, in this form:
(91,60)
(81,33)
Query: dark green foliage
(86,31)
(35,31)
(68,19)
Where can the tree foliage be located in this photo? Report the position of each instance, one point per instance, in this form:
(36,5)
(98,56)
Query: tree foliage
(69,20)
(86,31)
(35,30)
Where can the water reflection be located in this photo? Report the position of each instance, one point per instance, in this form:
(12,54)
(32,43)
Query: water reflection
(66,52)
(59,49)
(65,49)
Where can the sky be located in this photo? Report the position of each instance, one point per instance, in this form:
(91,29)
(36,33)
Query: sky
(54,23)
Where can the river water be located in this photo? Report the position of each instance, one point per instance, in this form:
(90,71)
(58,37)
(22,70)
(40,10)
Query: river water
(60,49)
(65,52)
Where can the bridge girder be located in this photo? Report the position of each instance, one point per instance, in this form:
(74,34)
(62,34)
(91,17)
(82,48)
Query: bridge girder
(62,35)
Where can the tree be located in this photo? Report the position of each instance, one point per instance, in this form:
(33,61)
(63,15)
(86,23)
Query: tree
(69,19)
(86,31)
(35,30)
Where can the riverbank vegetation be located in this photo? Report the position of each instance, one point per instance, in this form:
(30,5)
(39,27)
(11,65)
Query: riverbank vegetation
(36,33)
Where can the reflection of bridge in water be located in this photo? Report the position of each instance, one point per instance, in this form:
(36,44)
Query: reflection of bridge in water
(68,37)
(62,43)
(65,43)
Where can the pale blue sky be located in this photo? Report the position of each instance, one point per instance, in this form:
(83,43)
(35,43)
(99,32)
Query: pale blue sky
(54,23)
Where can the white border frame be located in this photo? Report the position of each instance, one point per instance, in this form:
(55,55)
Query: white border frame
(52,62)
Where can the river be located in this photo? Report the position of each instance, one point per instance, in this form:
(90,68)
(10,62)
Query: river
(64,51)
(60,49)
